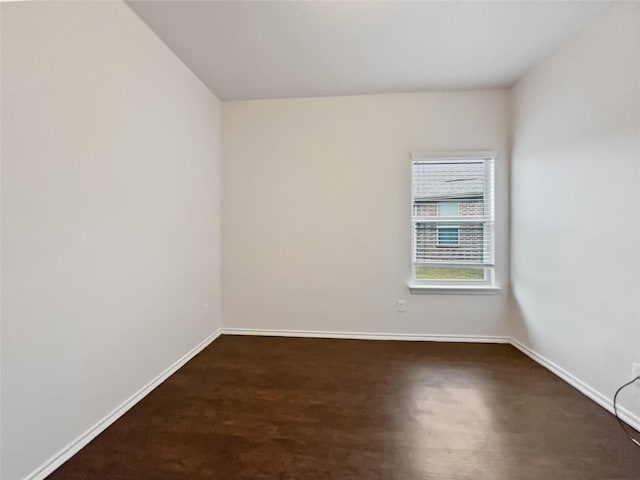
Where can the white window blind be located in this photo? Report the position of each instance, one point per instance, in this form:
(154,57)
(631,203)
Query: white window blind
(453,212)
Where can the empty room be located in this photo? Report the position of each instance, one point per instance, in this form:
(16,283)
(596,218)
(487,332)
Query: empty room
(320,240)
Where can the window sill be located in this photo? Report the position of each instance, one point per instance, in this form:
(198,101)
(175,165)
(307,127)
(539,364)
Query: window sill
(454,289)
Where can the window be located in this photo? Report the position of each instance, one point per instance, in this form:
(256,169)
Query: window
(448,236)
(453,220)
(448,233)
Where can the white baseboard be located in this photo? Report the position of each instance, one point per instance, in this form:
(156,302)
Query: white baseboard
(601,399)
(367,335)
(72,448)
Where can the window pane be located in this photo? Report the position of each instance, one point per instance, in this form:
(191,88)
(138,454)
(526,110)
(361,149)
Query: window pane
(453,223)
(448,209)
(439,273)
(448,236)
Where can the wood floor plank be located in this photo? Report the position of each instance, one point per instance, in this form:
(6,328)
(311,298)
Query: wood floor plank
(301,408)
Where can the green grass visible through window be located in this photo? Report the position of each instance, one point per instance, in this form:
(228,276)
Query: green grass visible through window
(438,273)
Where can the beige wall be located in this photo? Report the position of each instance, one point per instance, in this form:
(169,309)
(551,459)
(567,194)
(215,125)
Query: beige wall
(316,211)
(110,219)
(576,204)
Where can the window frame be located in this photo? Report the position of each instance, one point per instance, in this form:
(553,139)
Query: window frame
(466,286)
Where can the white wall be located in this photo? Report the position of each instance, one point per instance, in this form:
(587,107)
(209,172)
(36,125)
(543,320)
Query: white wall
(110,218)
(316,211)
(576,203)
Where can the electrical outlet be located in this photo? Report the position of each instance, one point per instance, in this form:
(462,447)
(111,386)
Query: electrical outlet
(401,306)
(635,370)
(205,309)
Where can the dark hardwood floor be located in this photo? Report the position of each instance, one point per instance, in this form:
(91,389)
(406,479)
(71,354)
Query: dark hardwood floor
(292,408)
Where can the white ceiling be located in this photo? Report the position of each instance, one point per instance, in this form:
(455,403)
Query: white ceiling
(264,49)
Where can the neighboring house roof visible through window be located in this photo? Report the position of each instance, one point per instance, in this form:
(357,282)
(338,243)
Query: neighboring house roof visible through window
(433,181)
